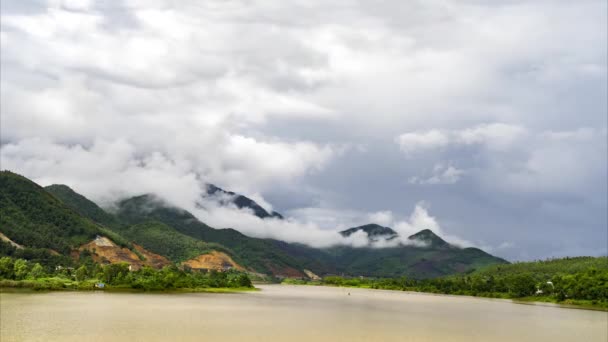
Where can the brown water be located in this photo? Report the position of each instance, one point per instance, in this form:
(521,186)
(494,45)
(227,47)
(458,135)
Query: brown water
(288,313)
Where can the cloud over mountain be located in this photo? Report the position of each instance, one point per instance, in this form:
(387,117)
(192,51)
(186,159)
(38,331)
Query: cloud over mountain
(494,113)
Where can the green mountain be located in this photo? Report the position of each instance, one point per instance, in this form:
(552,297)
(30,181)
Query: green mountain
(240,201)
(32,217)
(373,231)
(81,204)
(260,255)
(58,218)
(430,239)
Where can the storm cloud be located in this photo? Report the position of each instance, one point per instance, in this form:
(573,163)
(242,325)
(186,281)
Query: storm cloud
(484,121)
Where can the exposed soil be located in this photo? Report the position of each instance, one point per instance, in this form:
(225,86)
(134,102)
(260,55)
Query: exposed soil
(105,250)
(311,275)
(213,261)
(10,242)
(152,259)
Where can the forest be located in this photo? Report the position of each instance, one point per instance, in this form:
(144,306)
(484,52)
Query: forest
(579,280)
(21,273)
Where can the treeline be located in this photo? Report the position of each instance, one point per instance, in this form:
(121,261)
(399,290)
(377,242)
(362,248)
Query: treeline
(581,280)
(22,273)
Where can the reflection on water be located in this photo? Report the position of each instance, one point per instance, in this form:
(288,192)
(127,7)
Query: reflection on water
(288,313)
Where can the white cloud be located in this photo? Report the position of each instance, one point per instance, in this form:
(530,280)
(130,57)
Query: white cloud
(422,141)
(383,218)
(497,136)
(442,174)
(263,96)
(107,170)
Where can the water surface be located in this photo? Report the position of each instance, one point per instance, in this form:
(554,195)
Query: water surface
(288,313)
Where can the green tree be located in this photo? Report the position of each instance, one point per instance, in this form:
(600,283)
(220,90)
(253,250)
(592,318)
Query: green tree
(37,271)
(81,273)
(242,280)
(6,268)
(21,269)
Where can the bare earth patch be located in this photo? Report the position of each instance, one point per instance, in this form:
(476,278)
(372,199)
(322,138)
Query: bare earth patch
(213,261)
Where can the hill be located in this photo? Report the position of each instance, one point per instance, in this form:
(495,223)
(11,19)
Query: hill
(81,204)
(38,226)
(179,236)
(428,238)
(30,216)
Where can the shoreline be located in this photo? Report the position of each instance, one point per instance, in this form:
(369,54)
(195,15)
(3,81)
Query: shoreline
(124,289)
(522,301)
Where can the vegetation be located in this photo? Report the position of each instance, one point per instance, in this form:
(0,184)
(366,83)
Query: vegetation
(581,280)
(82,205)
(258,254)
(20,273)
(31,216)
(166,241)
(60,219)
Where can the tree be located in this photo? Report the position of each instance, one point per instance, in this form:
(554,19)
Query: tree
(6,268)
(81,273)
(20,268)
(37,271)
(242,280)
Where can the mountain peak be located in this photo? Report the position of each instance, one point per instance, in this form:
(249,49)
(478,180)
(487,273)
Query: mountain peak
(429,237)
(372,230)
(241,202)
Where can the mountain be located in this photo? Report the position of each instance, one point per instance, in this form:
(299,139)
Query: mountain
(145,227)
(30,216)
(260,255)
(373,231)
(430,239)
(240,201)
(179,235)
(82,204)
(49,231)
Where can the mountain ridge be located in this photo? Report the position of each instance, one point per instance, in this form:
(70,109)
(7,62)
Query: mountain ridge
(177,234)
(241,202)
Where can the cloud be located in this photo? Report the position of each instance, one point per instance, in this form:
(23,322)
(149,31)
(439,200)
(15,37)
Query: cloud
(421,141)
(108,170)
(497,136)
(316,232)
(295,102)
(420,219)
(383,218)
(442,174)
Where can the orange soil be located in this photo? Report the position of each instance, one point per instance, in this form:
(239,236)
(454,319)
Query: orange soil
(152,259)
(103,249)
(213,261)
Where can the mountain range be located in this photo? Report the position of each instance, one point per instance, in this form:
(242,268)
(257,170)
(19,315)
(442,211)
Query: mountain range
(146,230)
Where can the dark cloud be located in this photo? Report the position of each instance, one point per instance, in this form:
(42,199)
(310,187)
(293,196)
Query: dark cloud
(491,116)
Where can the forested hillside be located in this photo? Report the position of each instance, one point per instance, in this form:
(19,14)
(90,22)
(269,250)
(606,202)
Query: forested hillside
(34,217)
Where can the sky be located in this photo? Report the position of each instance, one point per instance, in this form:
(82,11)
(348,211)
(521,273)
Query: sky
(484,121)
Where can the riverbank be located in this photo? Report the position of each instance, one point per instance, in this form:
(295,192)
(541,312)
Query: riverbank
(61,284)
(530,300)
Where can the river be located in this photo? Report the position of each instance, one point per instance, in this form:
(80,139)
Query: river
(288,313)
